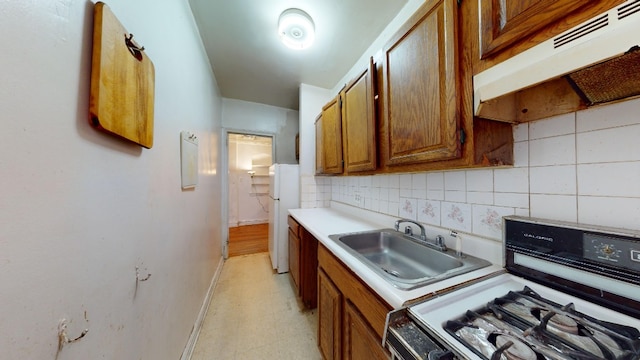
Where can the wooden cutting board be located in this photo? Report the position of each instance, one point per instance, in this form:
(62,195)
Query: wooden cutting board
(122,81)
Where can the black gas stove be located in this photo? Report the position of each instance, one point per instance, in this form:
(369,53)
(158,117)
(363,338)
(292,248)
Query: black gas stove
(567,292)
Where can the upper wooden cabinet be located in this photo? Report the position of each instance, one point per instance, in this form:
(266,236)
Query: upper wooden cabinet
(420,120)
(510,27)
(359,122)
(332,137)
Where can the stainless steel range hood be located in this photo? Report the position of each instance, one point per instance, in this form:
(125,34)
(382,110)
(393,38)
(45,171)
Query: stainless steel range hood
(590,58)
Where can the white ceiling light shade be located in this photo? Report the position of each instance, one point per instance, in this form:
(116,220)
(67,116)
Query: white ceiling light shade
(296,29)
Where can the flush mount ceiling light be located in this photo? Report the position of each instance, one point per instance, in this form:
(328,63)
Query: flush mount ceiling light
(296,29)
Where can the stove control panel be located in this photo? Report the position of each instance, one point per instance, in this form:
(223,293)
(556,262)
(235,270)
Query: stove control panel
(612,250)
(606,251)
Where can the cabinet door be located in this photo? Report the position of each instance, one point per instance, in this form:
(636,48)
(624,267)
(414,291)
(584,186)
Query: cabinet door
(421,88)
(294,259)
(505,22)
(332,137)
(329,318)
(319,155)
(360,342)
(308,269)
(359,122)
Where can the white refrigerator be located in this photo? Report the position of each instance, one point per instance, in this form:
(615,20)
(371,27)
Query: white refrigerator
(284,194)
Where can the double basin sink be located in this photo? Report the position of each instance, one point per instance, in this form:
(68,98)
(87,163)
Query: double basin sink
(404,261)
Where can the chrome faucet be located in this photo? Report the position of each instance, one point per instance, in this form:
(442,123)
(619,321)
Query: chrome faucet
(438,244)
(409,231)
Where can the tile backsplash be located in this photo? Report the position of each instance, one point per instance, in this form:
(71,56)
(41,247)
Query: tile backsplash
(582,167)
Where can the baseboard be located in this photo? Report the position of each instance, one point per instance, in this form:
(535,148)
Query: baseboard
(195,331)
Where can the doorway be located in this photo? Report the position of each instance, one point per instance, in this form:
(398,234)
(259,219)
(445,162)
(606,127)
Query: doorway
(249,158)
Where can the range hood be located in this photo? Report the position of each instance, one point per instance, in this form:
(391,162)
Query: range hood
(597,61)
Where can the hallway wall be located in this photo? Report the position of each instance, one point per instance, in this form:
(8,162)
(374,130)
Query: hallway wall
(80,210)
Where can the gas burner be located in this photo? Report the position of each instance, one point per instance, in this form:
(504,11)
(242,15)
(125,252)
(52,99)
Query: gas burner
(561,322)
(513,349)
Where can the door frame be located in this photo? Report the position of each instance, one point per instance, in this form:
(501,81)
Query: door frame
(224,178)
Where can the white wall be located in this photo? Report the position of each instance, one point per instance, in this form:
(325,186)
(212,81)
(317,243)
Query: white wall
(579,167)
(263,119)
(79,210)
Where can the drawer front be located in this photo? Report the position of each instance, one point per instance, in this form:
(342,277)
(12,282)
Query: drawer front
(293,224)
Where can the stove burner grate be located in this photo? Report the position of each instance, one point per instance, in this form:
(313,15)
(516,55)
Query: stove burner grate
(522,325)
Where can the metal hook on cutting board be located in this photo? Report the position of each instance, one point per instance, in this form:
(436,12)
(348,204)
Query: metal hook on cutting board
(134,48)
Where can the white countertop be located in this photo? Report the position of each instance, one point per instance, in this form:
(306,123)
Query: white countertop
(340,218)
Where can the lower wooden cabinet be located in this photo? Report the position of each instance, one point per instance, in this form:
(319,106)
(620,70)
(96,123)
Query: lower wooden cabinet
(329,318)
(294,258)
(351,315)
(360,342)
(303,263)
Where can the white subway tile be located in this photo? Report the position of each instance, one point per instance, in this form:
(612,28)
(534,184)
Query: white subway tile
(384,181)
(375,180)
(560,180)
(435,194)
(405,192)
(609,145)
(455,196)
(375,193)
(375,205)
(610,211)
(405,181)
(521,154)
(511,180)
(384,194)
(384,206)
(455,180)
(610,179)
(364,181)
(521,132)
(394,181)
(487,220)
(558,150)
(557,125)
(393,208)
(419,193)
(609,116)
(479,180)
(558,207)
(419,181)
(480,197)
(435,181)
(394,195)
(522,212)
(516,200)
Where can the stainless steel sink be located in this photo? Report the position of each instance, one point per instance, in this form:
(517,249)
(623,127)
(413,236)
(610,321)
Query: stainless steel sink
(404,261)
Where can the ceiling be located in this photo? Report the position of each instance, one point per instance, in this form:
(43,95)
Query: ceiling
(251,64)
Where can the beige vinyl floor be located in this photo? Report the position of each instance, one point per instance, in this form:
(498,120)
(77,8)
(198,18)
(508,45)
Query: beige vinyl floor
(254,314)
